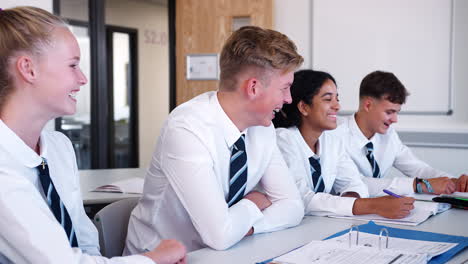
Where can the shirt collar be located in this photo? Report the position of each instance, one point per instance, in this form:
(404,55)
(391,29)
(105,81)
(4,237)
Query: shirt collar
(231,132)
(358,136)
(304,146)
(16,147)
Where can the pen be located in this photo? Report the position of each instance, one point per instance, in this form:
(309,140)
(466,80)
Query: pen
(459,198)
(391,193)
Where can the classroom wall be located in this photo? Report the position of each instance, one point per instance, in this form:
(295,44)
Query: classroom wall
(293,18)
(44,4)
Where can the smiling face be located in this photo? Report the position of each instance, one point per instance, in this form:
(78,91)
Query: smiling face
(320,115)
(58,75)
(381,114)
(270,98)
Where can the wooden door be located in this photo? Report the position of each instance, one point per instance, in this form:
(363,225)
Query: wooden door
(202,26)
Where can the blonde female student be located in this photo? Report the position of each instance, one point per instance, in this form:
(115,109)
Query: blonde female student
(42,219)
(326,177)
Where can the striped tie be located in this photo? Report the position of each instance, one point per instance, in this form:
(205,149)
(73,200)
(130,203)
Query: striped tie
(237,172)
(372,161)
(55,203)
(316,172)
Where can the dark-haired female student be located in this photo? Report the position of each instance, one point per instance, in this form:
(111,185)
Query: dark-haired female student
(326,177)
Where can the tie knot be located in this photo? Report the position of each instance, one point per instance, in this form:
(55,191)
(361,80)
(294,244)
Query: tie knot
(240,143)
(370,147)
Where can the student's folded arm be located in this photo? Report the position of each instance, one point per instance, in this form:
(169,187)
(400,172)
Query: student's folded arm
(323,204)
(189,167)
(30,235)
(287,208)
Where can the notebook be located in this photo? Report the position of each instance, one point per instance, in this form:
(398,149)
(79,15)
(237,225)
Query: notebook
(421,212)
(132,185)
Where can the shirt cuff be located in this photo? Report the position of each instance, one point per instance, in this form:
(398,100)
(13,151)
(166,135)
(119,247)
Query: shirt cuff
(139,259)
(346,206)
(254,212)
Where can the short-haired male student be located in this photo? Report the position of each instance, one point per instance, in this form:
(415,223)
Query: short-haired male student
(375,147)
(214,149)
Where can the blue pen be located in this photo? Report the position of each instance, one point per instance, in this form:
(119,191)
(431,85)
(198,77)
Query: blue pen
(391,193)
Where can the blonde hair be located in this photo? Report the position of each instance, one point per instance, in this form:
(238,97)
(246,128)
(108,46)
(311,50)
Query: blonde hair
(259,49)
(22,29)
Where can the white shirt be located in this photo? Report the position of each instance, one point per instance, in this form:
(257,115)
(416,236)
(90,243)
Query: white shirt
(29,232)
(339,173)
(186,186)
(388,151)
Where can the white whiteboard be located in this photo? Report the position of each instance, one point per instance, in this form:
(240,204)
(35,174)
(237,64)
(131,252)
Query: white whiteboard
(411,38)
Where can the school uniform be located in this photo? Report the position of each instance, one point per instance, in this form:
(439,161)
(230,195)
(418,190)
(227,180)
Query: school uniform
(338,172)
(29,231)
(388,151)
(186,187)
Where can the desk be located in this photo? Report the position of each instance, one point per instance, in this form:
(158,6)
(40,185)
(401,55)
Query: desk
(90,179)
(264,246)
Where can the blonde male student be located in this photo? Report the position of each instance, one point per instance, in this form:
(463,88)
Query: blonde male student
(317,157)
(42,219)
(375,147)
(214,149)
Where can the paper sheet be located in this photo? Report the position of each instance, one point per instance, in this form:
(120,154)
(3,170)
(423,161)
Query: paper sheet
(321,252)
(416,246)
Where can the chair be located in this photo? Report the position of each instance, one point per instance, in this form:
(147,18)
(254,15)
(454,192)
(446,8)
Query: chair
(112,222)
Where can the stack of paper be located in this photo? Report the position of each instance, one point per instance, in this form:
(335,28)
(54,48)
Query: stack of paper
(422,211)
(337,250)
(324,252)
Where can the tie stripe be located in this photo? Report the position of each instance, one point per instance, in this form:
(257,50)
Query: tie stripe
(237,172)
(316,172)
(55,203)
(372,161)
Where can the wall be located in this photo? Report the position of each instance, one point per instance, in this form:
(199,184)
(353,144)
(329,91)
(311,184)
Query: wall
(44,4)
(151,20)
(293,18)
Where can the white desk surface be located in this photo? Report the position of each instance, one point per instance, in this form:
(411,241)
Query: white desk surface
(90,179)
(261,247)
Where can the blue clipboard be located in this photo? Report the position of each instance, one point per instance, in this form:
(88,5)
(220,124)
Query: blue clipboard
(373,228)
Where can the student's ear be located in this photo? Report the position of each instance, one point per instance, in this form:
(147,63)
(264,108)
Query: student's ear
(26,68)
(367,104)
(252,88)
(303,108)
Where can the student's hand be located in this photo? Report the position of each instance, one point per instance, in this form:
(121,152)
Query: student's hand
(441,185)
(351,194)
(168,252)
(392,207)
(258,199)
(461,184)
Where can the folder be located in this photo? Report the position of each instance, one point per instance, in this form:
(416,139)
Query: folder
(373,228)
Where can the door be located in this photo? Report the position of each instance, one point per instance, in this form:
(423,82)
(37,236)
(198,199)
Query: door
(202,26)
